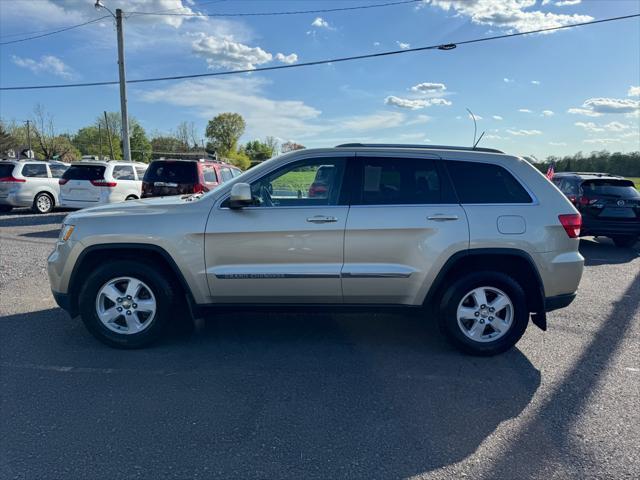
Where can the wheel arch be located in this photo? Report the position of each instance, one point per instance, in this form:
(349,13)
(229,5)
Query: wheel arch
(514,262)
(93,255)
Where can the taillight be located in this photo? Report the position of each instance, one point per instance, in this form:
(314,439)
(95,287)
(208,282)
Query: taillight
(62,181)
(587,201)
(571,223)
(12,180)
(198,187)
(572,198)
(102,183)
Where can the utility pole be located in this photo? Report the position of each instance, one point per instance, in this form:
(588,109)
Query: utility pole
(100,141)
(106,122)
(126,146)
(28,122)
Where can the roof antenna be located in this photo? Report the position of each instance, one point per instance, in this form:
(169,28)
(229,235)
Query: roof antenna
(475,130)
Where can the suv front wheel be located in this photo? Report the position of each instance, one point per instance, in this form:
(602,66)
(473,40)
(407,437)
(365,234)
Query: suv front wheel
(126,304)
(484,313)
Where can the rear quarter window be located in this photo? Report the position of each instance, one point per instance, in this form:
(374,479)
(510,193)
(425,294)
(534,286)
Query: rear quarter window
(477,182)
(6,170)
(84,172)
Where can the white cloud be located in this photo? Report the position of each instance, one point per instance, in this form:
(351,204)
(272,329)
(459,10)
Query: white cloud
(558,144)
(376,44)
(46,64)
(513,15)
(584,111)
(427,87)
(612,105)
(544,2)
(633,92)
(415,104)
(508,80)
(288,59)
(497,117)
(521,133)
(589,126)
(477,117)
(492,136)
(403,46)
(567,3)
(610,127)
(320,23)
(418,119)
(548,113)
(616,126)
(602,141)
(372,122)
(524,110)
(223,51)
(535,82)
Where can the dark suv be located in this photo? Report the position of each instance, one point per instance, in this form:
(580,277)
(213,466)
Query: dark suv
(179,177)
(609,204)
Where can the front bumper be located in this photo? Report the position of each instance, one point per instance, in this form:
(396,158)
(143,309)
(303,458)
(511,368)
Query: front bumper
(558,301)
(64,302)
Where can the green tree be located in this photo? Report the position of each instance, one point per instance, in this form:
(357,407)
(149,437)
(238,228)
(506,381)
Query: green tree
(7,141)
(260,151)
(94,141)
(140,144)
(163,146)
(224,131)
(239,158)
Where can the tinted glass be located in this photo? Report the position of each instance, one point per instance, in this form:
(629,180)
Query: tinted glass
(226,174)
(297,185)
(34,170)
(610,188)
(236,172)
(84,172)
(399,181)
(140,171)
(209,174)
(57,170)
(485,183)
(173,172)
(123,172)
(6,170)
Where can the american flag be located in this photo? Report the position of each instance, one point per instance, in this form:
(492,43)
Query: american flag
(551,171)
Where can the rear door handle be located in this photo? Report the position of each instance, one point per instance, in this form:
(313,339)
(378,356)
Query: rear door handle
(439,217)
(321,219)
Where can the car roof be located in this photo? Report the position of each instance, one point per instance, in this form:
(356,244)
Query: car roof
(196,161)
(418,146)
(589,175)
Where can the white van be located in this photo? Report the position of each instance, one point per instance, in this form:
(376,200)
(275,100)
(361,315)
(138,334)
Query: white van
(30,183)
(87,184)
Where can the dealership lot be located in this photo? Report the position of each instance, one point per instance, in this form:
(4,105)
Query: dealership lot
(316,395)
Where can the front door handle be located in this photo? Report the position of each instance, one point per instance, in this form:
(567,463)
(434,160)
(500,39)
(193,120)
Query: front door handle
(439,217)
(321,219)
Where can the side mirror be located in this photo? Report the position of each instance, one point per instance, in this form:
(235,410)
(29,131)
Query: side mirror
(240,195)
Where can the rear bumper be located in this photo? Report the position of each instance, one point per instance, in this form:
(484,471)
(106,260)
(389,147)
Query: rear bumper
(66,203)
(608,228)
(14,200)
(558,301)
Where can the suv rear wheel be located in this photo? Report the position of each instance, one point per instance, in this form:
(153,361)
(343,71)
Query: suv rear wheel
(484,313)
(126,304)
(43,203)
(626,241)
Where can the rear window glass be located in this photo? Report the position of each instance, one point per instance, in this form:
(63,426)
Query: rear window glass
(174,172)
(485,183)
(57,169)
(226,174)
(84,172)
(6,170)
(610,188)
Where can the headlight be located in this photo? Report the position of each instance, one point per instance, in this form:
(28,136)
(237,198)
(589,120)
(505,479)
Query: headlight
(66,232)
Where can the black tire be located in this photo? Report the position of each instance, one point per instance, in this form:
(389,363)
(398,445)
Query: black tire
(131,197)
(43,203)
(154,278)
(5,208)
(454,295)
(626,241)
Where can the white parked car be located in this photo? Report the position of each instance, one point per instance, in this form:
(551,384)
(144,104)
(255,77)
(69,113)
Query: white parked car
(87,184)
(30,183)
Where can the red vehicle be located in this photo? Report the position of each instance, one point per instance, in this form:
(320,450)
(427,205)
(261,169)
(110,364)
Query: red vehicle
(180,177)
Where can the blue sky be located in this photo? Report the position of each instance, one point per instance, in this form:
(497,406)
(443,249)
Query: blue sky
(543,94)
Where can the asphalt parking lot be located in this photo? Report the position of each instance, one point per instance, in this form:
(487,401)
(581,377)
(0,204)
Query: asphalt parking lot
(315,395)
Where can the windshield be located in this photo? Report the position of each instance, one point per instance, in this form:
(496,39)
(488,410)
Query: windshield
(168,171)
(84,172)
(610,188)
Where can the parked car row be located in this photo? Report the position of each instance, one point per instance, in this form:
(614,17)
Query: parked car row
(44,185)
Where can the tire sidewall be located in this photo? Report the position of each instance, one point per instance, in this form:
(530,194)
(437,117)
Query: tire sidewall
(448,318)
(35,203)
(153,278)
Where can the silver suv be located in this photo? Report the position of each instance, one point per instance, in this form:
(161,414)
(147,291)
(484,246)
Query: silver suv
(30,183)
(478,239)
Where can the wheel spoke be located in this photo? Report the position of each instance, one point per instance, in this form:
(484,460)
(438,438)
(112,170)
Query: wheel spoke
(466,312)
(146,305)
(109,315)
(477,330)
(112,293)
(499,303)
(479,296)
(133,287)
(133,323)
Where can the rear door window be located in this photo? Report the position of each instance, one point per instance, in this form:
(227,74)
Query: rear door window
(209,174)
(171,172)
(399,181)
(140,171)
(236,172)
(123,172)
(477,182)
(84,172)
(34,170)
(226,174)
(609,188)
(6,170)
(57,170)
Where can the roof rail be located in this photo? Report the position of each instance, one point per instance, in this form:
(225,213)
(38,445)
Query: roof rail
(595,174)
(428,147)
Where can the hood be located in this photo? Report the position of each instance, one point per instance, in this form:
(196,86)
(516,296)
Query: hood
(146,206)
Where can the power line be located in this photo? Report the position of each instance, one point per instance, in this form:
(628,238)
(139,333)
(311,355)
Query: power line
(446,46)
(269,14)
(53,32)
